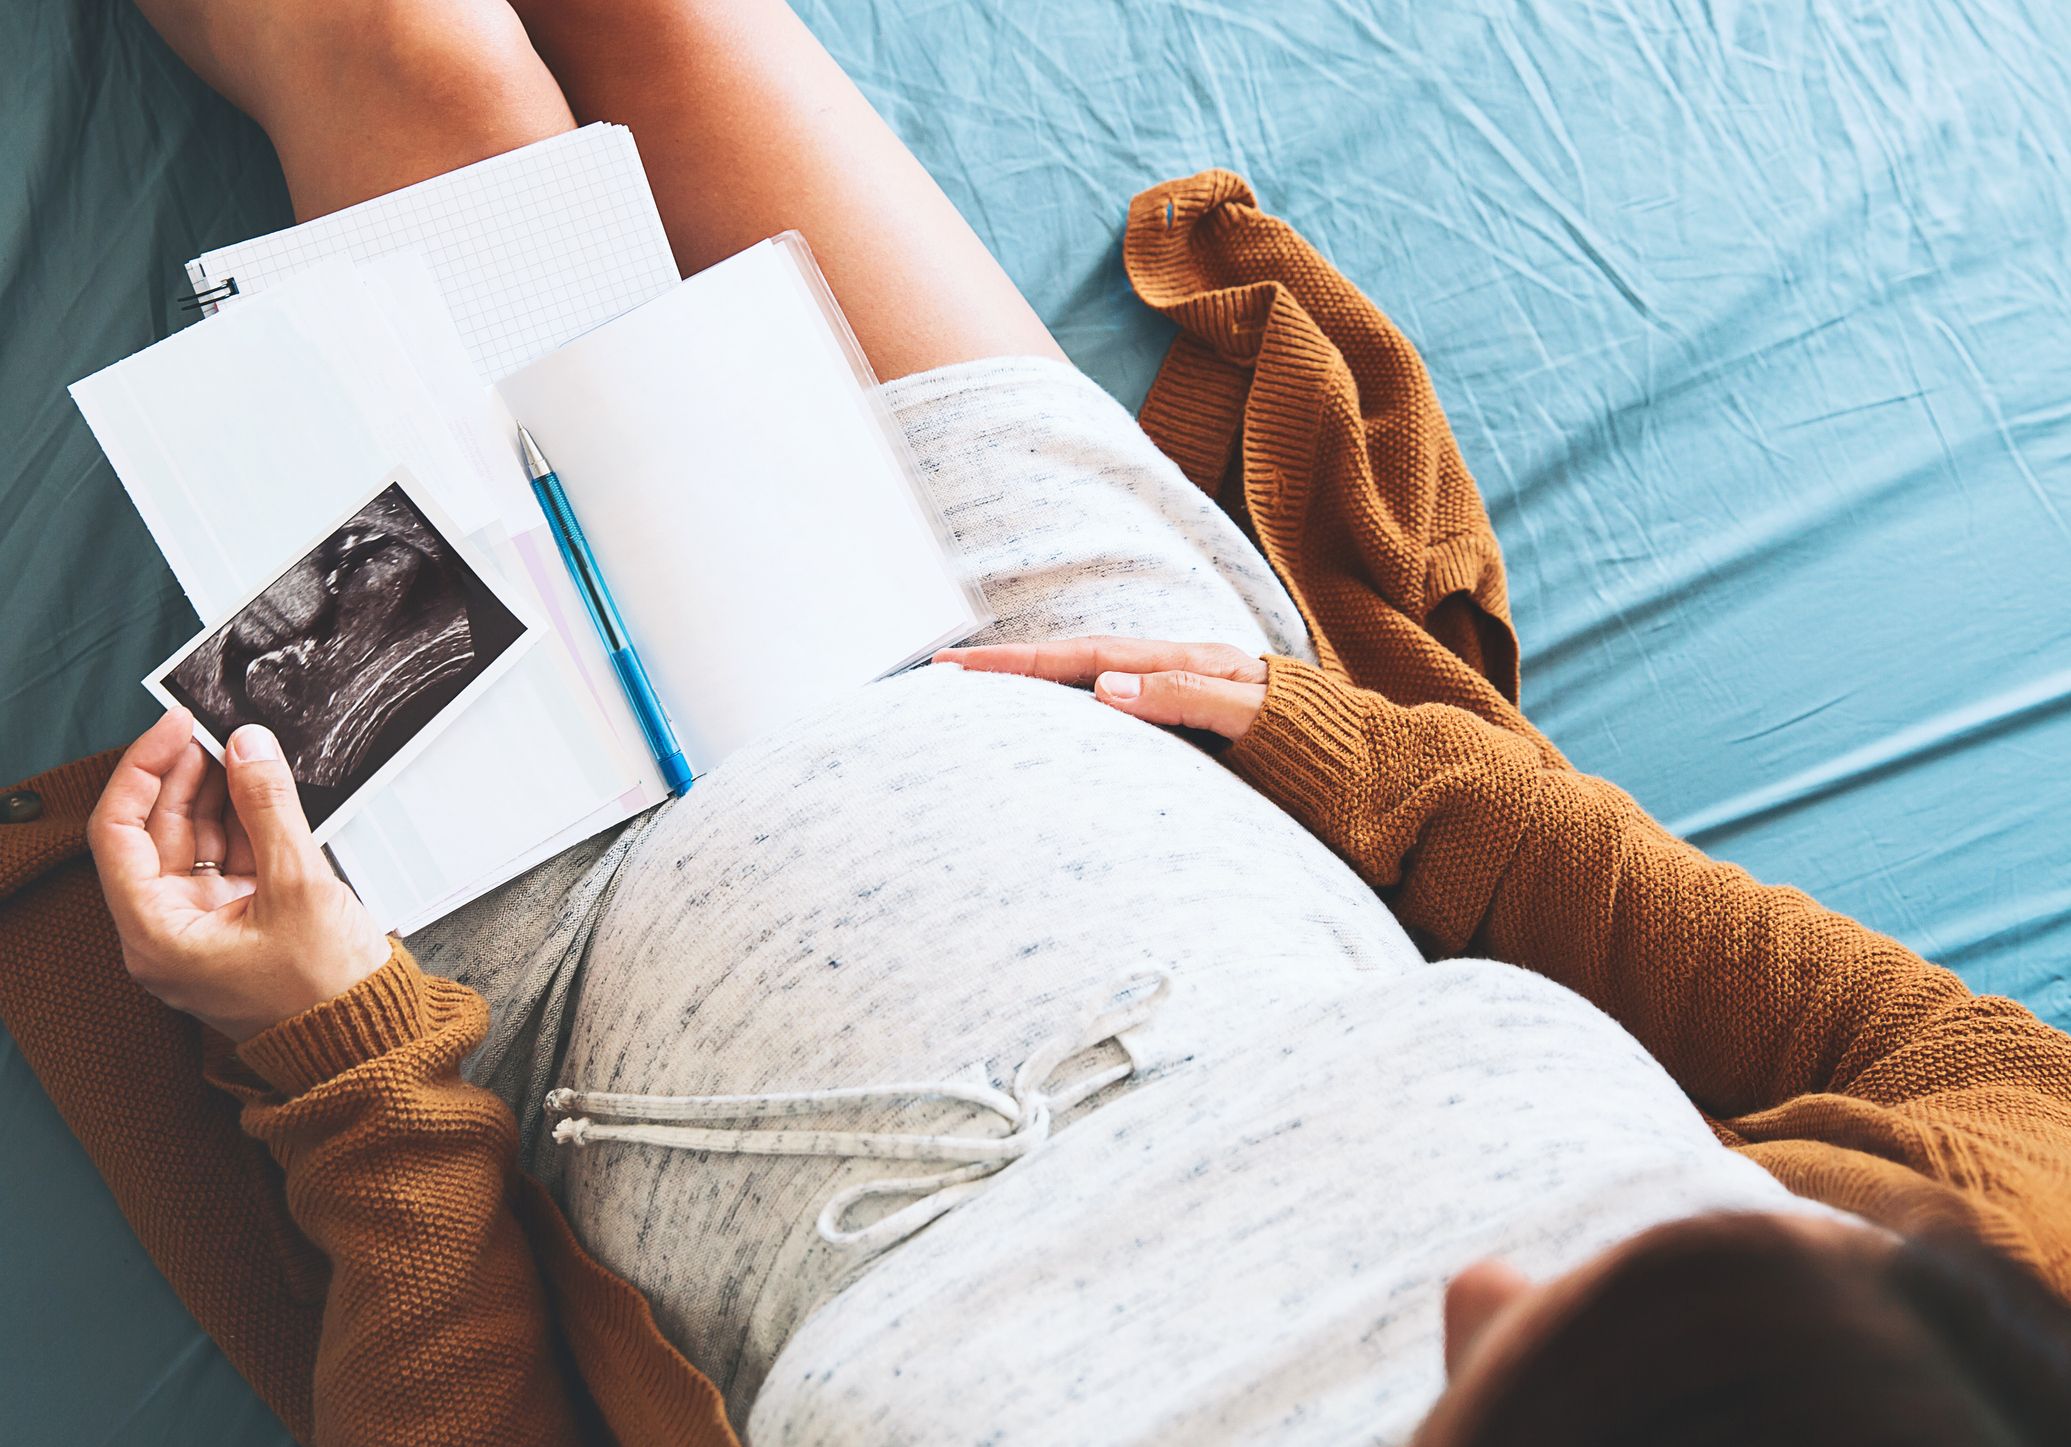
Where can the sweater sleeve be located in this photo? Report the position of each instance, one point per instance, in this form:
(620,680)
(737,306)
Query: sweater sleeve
(436,1327)
(1854,1069)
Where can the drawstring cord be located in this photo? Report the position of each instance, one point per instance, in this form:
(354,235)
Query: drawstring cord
(1028,1111)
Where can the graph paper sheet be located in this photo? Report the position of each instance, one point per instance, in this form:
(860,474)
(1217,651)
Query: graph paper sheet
(529,249)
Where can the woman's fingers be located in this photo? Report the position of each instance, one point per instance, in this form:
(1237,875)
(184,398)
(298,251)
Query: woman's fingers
(270,935)
(262,790)
(211,838)
(1192,685)
(171,821)
(1081,660)
(1186,699)
(1058,662)
(123,849)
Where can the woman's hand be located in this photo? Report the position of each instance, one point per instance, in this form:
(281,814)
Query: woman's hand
(266,933)
(1194,685)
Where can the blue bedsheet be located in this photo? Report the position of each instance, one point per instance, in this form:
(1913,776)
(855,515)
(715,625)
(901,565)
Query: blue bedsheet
(1751,318)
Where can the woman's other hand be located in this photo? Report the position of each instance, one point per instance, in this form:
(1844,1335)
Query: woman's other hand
(267,933)
(1208,686)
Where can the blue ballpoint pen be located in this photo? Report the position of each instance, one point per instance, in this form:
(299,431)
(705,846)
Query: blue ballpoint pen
(582,567)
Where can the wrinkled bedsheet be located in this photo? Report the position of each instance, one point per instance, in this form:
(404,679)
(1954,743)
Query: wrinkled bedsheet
(1751,318)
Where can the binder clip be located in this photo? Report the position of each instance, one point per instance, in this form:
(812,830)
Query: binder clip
(206,297)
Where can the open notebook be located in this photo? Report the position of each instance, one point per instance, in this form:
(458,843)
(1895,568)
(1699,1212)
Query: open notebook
(747,496)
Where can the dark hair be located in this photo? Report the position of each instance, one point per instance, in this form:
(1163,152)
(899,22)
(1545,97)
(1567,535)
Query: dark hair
(1735,1330)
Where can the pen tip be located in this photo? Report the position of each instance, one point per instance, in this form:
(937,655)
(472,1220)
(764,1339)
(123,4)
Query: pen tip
(535,460)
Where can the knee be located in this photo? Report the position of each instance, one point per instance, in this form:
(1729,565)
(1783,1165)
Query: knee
(450,55)
(455,62)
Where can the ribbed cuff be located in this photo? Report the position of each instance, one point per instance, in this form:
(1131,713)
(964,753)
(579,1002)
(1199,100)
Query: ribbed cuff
(1308,740)
(380,1013)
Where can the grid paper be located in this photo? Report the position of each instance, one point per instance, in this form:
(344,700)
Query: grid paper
(530,248)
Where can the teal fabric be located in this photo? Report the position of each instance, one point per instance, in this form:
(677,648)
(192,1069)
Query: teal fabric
(116,165)
(1750,317)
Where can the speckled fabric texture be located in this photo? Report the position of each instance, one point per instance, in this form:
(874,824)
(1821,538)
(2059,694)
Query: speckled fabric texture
(1069,520)
(929,879)
(521,947)
(1253,1246)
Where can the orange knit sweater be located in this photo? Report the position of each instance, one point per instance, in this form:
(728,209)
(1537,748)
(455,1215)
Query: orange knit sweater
(345,1216)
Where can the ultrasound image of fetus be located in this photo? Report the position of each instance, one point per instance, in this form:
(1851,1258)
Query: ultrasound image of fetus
(350,652)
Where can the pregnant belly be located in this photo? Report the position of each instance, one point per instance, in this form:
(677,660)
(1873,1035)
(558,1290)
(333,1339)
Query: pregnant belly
(1253,1244)
(924,885)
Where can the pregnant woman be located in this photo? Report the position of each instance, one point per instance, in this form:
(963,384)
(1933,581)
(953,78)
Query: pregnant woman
(980,1061)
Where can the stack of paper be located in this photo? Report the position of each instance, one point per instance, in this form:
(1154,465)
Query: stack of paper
(527,249)
(744,490)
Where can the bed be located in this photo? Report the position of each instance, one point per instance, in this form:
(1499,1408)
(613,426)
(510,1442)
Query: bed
(1751,318)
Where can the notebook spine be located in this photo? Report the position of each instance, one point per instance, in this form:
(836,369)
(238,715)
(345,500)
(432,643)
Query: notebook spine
(208,298)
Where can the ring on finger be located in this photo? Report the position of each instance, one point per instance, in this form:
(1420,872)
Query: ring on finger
(207,866)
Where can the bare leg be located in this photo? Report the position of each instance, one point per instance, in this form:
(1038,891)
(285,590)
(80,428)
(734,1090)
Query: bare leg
(746,125)
(361,97)
(747,128)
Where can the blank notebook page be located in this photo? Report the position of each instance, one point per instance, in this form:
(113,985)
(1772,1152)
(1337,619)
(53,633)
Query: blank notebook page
(529,248)
(761,533)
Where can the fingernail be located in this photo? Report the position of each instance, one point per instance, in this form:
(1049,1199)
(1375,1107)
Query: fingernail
(1120,685)
(255,744)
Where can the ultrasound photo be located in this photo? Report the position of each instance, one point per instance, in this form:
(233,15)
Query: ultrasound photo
(353,654)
